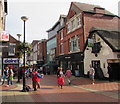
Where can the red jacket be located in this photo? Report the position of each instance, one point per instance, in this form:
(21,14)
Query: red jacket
(61,80)
(35,77)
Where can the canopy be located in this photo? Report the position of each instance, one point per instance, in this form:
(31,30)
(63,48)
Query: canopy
(50,64)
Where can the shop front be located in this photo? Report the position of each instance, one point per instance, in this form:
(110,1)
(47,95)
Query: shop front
(72,61)
(11,62)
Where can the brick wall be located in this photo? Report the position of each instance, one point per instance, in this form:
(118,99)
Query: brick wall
(99,20)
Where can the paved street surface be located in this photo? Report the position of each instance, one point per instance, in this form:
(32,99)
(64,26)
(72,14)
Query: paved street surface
(81,90)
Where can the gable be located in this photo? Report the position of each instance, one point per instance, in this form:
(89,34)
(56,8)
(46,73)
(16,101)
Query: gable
(74,10)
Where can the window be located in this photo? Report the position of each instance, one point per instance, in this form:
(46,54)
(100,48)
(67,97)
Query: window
(73,24)
(12,49)
(68,27)
(74,43)
(61,35)
(78,21)
(62,48)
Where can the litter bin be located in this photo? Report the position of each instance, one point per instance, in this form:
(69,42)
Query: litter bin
(77,73)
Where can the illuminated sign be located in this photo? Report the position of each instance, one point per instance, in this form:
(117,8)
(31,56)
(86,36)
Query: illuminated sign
(4,36)
(90,43)
(10,61)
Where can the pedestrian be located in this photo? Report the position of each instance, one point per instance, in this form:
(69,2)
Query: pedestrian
(36,79)
(92,74)
(110,72)
(10,76)
(60,77)
(68,74)
(5,74)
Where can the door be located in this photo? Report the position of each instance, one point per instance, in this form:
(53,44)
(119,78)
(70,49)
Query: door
(98,71)
(116,70)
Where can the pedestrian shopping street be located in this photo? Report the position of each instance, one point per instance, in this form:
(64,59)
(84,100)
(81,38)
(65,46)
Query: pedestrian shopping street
(81,90)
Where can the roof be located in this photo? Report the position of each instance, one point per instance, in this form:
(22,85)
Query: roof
(111,37)
(53,26)
(90,8)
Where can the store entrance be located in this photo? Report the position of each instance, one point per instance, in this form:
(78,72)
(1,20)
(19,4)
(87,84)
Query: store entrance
(116,70)
(98,71)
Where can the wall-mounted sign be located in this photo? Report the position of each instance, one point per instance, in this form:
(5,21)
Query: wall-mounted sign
(4,36)
(10,61)
(90,43)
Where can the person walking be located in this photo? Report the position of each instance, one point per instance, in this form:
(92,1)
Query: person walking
(68,74)
(110,73)
(60,77)
(36,79)
(92,74)
(10,76)
(5,74)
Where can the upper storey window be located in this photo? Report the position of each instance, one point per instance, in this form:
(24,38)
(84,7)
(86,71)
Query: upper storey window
(74,23)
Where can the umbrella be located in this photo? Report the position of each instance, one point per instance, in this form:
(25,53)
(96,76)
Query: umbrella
(25,65)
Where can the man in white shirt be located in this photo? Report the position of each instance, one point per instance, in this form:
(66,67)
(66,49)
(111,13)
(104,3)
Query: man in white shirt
(92,74)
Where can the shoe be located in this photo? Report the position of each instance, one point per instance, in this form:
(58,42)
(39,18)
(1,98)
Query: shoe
(35,89)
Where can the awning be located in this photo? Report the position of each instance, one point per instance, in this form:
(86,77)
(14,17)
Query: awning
(50,64)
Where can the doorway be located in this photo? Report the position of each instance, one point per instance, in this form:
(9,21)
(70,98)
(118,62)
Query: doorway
(98,71)
(116,70)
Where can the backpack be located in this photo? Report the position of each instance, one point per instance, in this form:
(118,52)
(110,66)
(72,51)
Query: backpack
(28,88)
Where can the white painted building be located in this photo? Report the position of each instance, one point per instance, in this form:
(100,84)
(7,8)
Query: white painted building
(108,43)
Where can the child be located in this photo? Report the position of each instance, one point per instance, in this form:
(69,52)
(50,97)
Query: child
(60,81)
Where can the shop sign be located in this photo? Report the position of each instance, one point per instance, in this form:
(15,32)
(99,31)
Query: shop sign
(4,36)
(10,61)
(90,43)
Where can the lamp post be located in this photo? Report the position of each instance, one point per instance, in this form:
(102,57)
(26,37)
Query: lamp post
(19,35)
(19,60)
(24,18)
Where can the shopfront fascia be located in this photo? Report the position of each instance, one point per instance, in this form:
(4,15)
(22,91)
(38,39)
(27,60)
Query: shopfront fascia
(73,61)
(11,62)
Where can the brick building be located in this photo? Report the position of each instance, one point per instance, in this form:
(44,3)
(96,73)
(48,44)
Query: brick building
(10,57)
(41,52)
(79,20)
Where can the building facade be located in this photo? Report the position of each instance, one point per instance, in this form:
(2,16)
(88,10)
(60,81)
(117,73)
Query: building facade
(80,19)
(51,45)
(3,13)
(10,57)
(34,53)
(103,48)
(41,52)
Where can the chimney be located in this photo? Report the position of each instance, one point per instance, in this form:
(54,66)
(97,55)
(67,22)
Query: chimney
(99,10)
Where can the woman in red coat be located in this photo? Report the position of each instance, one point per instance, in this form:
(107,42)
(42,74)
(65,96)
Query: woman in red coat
(36,79)
(60,76)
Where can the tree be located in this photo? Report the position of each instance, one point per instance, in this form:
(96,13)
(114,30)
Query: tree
(21,47)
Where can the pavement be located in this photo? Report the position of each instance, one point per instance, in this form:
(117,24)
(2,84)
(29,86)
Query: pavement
(82,88)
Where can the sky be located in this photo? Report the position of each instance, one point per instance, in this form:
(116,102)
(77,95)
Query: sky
(43,14)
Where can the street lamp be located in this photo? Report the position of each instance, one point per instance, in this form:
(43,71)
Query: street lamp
(19,35)
(24,18)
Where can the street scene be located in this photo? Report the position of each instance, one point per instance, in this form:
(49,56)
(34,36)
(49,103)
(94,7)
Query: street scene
(59,52)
